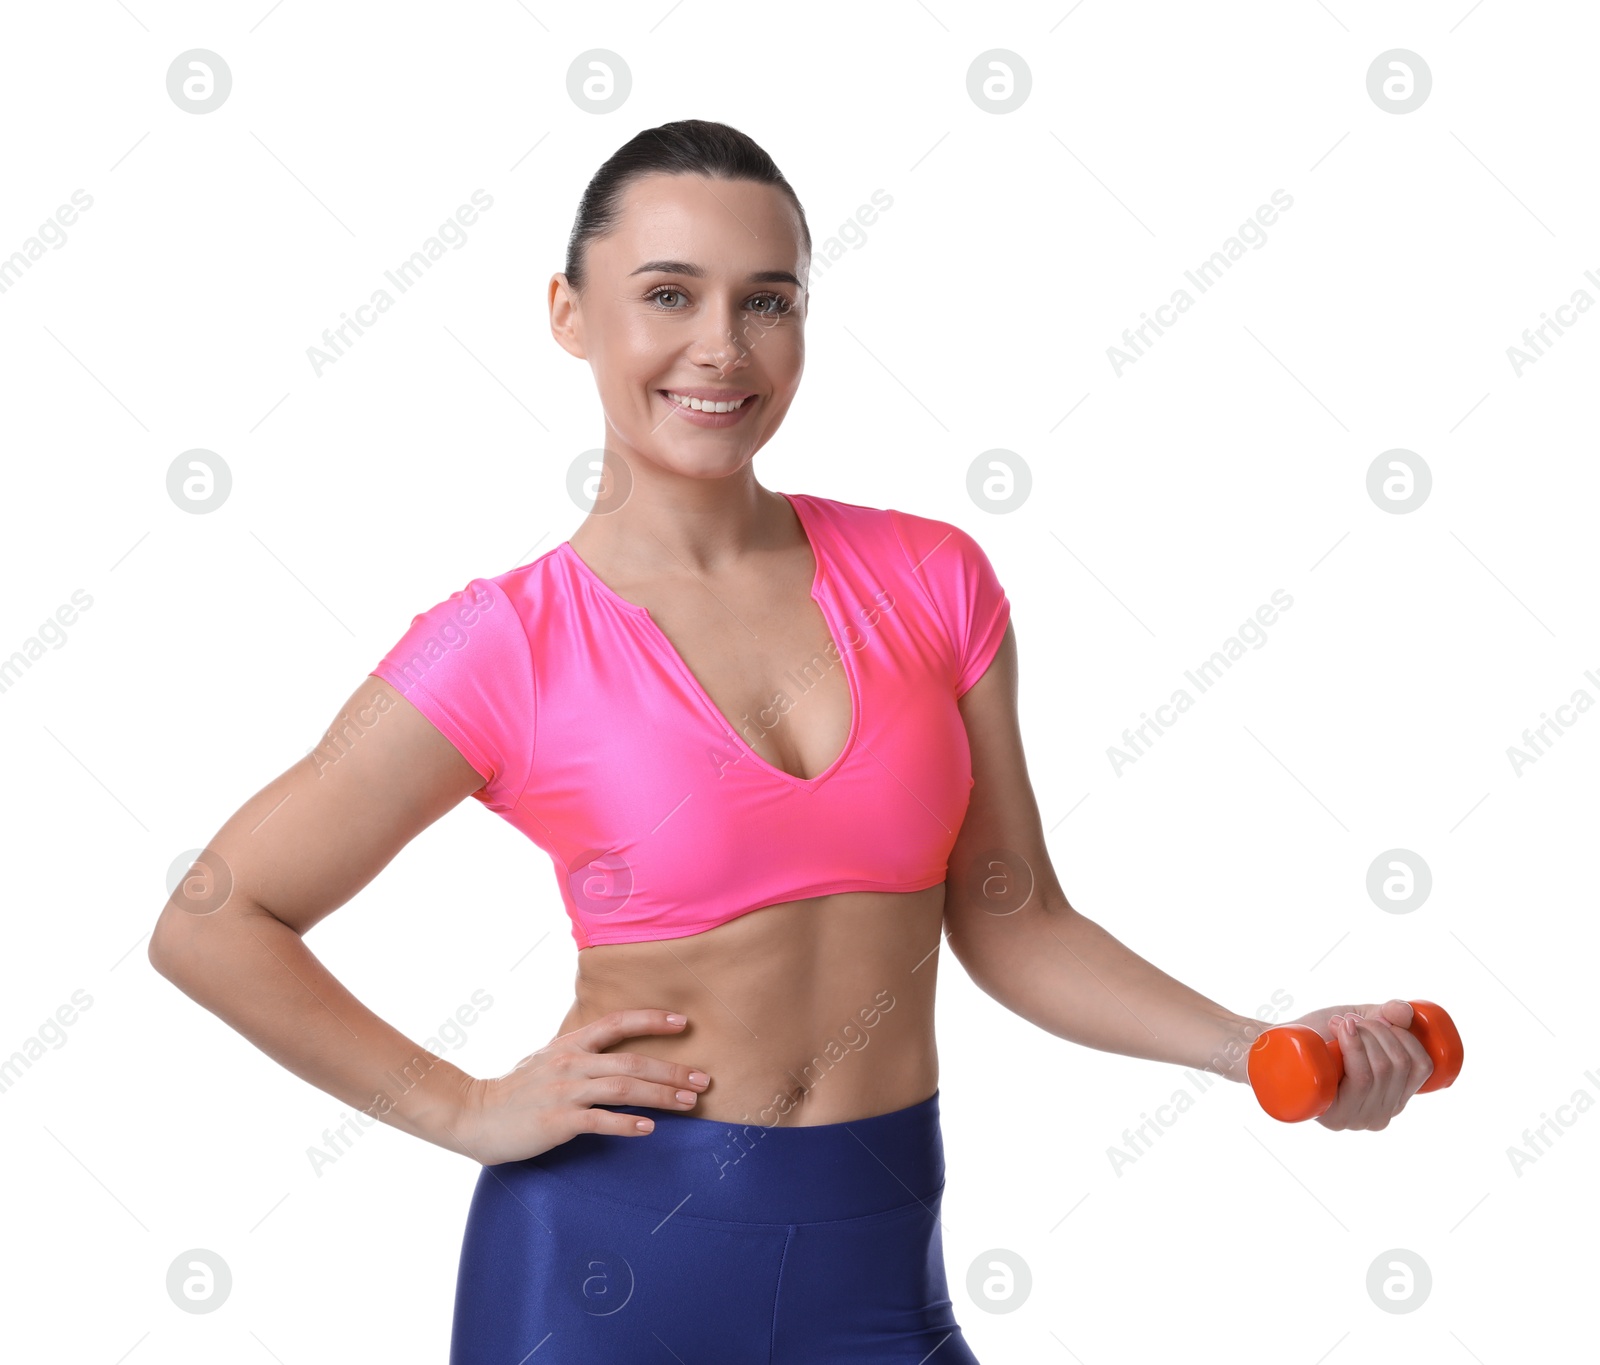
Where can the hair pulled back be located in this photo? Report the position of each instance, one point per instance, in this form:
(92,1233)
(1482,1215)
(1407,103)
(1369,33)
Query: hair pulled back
(685,147)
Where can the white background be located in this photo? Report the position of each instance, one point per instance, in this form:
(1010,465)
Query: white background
(1167,504)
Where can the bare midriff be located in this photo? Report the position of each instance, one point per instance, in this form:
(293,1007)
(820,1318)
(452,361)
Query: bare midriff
(809,1012)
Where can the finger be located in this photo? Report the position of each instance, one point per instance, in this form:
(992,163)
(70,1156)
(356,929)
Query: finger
(1420,1064)
(636,1078)
(603,1121)
(1397,1012)
(1325,1023)
(625,1089)
(1354,1088)
(1391,1068)
(619,1024)
(578,1063)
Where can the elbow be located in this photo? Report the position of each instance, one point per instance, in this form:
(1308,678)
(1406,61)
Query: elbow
(172,948)
(164,952)
(183,946)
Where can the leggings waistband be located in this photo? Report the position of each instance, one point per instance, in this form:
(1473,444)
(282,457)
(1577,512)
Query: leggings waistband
(753,1173)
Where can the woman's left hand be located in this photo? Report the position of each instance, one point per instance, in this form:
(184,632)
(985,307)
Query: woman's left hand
(1384,1064)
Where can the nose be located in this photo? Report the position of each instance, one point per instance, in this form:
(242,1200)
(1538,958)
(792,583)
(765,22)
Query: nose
(723,353)
(721,342)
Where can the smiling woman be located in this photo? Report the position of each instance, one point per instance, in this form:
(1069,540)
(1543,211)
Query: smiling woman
(705,1162)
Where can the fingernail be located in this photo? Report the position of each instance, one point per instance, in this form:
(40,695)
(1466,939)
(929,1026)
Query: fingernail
(675,1019)
(699,1078)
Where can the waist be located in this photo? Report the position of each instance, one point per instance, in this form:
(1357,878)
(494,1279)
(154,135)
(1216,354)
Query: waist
(753,1173)
(800,1014)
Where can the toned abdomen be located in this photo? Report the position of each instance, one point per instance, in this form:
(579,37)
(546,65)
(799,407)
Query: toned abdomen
(810,1012)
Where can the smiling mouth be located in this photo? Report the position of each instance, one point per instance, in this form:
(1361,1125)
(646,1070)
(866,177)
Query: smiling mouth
(705,405)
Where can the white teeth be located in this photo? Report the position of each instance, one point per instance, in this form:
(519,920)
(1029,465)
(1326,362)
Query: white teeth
(696,405)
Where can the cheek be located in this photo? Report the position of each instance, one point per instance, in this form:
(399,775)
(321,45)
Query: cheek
(788,356)
(638,335)
(630,359)
(778,351)
(622,336)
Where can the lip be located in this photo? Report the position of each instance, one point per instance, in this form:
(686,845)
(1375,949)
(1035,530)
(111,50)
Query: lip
(711,420)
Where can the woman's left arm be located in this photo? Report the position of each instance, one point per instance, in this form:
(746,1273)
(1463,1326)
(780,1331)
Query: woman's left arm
(1010,925)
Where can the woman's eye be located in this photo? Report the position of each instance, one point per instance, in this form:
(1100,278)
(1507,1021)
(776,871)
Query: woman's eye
(776,304)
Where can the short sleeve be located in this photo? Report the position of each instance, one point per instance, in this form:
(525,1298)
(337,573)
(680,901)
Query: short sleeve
(466,664)
(963,587)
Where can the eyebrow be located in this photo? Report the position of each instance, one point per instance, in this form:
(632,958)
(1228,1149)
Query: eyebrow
(686,268)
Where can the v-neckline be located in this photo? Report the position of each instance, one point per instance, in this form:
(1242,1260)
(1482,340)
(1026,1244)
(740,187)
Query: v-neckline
(818,595)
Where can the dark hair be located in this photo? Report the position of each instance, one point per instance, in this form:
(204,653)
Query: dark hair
(688,146)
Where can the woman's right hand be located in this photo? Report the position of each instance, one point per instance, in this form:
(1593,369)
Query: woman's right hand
(545,1099)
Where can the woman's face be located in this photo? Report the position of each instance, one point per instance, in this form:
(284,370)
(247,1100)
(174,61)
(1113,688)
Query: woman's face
(698,293)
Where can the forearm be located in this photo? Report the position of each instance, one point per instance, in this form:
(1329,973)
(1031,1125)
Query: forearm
(256,974)
(1062,971)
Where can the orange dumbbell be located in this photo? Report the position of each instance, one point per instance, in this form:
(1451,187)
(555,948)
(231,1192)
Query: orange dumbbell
(1295,1071)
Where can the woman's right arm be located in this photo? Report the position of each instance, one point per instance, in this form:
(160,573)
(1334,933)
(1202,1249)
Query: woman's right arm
(231,938)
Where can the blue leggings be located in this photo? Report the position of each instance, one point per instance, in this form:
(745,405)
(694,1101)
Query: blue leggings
(706,1241)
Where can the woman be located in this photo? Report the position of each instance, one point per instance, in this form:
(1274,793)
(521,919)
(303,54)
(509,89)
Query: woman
(770,743)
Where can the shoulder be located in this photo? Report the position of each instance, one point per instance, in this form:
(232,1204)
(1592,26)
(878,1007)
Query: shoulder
(529,586)
(935,550)
(467,665)
(488,623)
(914,534)
(933,547)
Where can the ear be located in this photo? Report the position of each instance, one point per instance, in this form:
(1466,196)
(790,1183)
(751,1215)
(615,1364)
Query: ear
(566,318)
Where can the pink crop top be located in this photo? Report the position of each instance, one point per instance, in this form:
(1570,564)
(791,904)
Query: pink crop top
(597,742)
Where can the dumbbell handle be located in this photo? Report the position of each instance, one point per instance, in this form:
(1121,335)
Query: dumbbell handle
(1295,1071)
